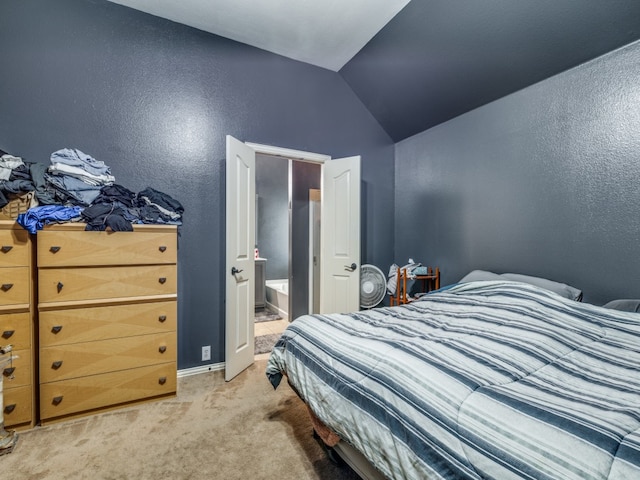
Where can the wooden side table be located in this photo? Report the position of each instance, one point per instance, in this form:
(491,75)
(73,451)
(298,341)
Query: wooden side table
(430,281)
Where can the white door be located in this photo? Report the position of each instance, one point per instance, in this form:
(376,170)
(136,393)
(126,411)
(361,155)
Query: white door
(340,236)
(240,266)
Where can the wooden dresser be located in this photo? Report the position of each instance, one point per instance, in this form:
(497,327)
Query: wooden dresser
(17,324)
(107,305)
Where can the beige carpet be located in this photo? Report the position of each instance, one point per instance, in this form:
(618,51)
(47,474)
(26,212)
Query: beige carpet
(212,430)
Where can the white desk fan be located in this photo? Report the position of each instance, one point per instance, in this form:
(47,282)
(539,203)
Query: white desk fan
(373,286)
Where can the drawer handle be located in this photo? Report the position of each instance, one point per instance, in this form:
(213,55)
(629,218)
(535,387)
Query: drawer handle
(59,286)
(6,286)
(54,249)
(9,408)
(162,279)
(6,248)
(162,349)
(162,380)
(56,365)
(8,333)
(57,400)
(162,248)
(56,328)
(8,372)
(162,318)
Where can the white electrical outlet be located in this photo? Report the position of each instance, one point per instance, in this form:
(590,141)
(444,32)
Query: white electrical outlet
(206,353)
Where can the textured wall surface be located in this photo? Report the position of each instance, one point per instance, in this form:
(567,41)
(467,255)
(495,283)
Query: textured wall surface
(154,100)
(542,182)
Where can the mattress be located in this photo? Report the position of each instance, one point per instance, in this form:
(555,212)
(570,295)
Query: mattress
(492,379)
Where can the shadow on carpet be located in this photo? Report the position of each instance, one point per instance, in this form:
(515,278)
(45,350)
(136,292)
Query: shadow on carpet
(265,343)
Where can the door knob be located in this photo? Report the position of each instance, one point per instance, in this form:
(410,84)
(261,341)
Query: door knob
(234,270)
(351,267)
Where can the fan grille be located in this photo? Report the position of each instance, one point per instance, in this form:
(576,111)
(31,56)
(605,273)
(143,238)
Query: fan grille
(373,286)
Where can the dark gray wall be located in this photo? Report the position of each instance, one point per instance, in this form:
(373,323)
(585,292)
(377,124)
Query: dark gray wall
(154,100)
(542,182)
(272,188)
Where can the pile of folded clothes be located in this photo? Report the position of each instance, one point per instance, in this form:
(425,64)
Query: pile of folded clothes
(77,177)
(77,187)
(15,178)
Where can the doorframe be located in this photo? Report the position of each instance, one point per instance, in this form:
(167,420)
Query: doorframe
(315,200)
(291,155)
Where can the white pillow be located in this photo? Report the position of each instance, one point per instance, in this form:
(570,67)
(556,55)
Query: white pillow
(561,289)
(480,275)
(624,304)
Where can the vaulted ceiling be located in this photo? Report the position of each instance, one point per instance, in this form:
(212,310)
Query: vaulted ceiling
(326,33)
(438,59)
(417,64)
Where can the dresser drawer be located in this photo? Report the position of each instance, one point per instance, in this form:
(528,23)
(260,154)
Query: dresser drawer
(14,285)
(82,248)
(59,327)
(91,358)
(14,247)
(19,369)
(18,406)
(98,391)
(93,283)
(15,329)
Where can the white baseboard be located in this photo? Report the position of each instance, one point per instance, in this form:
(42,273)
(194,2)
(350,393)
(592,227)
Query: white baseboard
(212,367)
(275,309)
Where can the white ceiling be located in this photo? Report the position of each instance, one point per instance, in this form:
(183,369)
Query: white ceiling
(326,33)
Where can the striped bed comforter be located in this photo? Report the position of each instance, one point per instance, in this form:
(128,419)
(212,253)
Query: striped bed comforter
(484,380)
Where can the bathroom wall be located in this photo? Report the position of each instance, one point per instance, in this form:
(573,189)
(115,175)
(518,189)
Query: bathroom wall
(272,188)
(272,236)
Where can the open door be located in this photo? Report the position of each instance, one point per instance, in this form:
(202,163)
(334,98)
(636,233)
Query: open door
(240,267)
(340,236)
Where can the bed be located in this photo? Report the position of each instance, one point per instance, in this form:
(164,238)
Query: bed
(485,379)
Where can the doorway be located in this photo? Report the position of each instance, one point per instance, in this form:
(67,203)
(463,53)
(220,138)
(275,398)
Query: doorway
(339,240)
(285,279)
